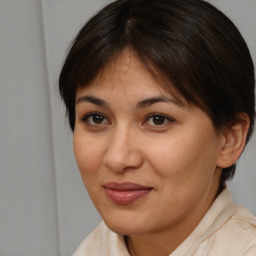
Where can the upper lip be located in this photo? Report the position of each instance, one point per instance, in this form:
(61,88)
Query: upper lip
(125,186)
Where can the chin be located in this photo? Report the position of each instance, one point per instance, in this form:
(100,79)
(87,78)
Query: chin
(124,227)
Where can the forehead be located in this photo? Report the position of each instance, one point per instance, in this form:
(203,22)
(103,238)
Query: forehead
(122,68)
(127,73)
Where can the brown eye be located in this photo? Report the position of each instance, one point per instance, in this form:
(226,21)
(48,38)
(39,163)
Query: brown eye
(158,120)
(95,119)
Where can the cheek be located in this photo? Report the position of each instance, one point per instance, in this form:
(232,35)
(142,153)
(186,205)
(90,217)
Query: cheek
(87,153)
(88,157)
(170,156)
(184,157)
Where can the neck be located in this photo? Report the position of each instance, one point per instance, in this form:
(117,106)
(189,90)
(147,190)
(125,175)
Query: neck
(154,244)
(164,241)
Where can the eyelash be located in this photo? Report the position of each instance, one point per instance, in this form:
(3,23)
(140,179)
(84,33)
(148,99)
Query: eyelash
(86,118)
(164,118)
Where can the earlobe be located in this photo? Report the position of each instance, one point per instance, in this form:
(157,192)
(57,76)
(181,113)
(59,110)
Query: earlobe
(234,139)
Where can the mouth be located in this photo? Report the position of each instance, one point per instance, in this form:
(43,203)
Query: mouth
(125,193)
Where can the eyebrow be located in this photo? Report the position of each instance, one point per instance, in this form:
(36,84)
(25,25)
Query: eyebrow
(139,105)
(153,100)
(92,99)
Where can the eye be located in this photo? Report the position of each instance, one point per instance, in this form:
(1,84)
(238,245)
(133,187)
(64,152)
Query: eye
(95,119)
(158,120)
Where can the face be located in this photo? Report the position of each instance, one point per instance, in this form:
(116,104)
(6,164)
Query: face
(147,159)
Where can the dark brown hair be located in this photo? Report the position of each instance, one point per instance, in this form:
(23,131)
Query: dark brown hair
(189,43)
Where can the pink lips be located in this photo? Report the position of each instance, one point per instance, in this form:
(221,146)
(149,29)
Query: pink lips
(125,193)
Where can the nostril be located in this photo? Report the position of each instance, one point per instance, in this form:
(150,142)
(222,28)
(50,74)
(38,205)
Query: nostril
(123,161)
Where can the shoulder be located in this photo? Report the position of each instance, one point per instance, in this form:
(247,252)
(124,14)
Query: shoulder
(91,243)
(226,229)
(242,222)
(237,236)
(102,242)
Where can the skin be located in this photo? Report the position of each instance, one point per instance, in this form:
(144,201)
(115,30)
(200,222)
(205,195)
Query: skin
(177,154)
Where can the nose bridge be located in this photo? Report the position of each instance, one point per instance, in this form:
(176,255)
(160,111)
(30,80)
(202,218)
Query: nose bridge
(122,152)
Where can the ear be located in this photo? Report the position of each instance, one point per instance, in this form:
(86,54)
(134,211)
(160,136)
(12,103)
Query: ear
(233,143)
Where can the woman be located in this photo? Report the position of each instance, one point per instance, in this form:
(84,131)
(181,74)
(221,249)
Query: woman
(160,96)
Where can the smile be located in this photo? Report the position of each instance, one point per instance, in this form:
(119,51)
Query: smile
(125,193)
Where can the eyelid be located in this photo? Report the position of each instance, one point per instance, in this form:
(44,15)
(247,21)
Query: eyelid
(86,116)
(168,118)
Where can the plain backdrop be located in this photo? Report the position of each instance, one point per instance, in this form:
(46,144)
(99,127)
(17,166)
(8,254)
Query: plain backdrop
(44,208)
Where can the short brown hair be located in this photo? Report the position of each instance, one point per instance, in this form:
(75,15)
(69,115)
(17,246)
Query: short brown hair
(188,42)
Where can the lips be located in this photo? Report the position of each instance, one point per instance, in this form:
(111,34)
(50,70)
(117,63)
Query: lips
(125,193)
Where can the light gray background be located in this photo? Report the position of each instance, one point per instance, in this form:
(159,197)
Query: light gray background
(44,209)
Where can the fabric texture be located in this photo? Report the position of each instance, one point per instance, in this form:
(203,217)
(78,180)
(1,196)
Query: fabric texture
(226,229)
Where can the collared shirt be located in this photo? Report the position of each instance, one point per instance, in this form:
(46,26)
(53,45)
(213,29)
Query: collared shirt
(225,230)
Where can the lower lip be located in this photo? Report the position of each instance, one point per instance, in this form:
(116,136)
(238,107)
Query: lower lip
(125,197)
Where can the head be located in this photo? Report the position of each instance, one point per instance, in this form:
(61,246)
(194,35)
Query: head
(190,47)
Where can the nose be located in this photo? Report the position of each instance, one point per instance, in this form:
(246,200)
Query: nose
(123,151)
